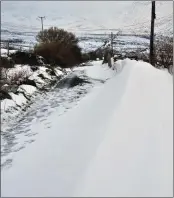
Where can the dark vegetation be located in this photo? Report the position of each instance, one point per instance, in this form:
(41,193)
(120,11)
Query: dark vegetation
(164,52)
(58,47)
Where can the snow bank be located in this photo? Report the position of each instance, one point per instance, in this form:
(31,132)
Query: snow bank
(117,142)
(18,99)
(39,82)
(7,105)
(38,79)
(135,156)
(42,70)
(28,90)
(59,72)
(102,72)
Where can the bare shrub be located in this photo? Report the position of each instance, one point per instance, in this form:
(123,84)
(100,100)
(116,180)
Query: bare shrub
(18,77)
(25,58)
(164,52)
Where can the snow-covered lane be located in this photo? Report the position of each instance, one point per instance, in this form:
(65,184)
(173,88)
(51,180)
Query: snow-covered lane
(136,156)
(17,133)
(116,142)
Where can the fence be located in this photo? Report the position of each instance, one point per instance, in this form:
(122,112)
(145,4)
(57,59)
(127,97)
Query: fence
(11,45)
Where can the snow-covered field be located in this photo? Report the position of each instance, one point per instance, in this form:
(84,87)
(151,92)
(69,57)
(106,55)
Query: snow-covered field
(121,43)
(116,141)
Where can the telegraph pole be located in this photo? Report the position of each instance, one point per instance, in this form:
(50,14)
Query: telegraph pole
(41,18)
(153,16)
(112,43)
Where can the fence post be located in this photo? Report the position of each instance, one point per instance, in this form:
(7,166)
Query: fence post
(8,46)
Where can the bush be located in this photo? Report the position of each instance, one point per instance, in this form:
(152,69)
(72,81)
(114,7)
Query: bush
(5,64)
(164,52)
(58,47)
(85,57)
(25,58)
(18,77)
(54,34)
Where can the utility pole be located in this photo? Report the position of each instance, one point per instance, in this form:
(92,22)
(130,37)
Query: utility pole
(41,18)
(112,43)
(153,16)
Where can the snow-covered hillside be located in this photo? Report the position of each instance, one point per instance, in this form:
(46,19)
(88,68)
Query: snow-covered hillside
(117,141)
(127,16)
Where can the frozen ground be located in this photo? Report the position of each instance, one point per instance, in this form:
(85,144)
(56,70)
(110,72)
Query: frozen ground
(115,140)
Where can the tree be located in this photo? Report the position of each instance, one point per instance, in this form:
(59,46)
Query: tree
(58,47)
(54,34)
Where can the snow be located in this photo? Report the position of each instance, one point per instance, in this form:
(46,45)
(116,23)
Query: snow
(7,104)
(27,89)
(58,72)
(5,51)
(67,69)
(90,45)
(117,141)
(42,70)
(99,71)
(38,80)
(23,70)
(18,99)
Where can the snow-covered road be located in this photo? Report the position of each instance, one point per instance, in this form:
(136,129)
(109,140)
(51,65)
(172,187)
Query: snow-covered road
(17,133)
(117,141)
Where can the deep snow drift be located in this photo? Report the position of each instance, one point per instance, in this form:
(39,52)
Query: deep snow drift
(116,142)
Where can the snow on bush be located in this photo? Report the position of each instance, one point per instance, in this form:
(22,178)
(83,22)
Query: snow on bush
(18,74)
